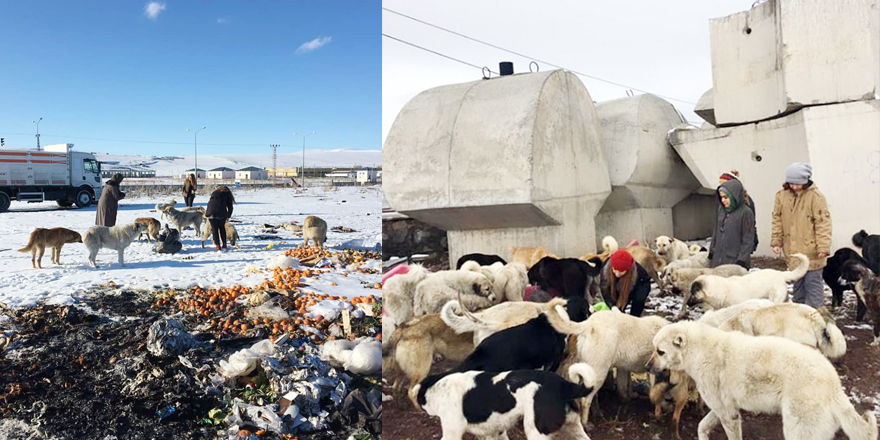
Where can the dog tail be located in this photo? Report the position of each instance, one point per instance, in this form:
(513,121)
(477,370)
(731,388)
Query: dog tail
(470,265)
(558,318)
(695,249)
(584,377)
(831,341)
(799,271)
(460,319)
(858,239)
(31,240)
(609,244)
(862,427)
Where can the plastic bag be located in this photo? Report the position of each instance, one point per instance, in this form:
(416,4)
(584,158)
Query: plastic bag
(244,361)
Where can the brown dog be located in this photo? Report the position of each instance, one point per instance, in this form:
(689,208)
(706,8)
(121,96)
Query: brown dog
(153,227)
(678,386)
(231,233)
(412,347)
(54,238)
(529,255)
(652,262)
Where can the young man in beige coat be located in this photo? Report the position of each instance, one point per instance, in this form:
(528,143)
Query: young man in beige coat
(802,224)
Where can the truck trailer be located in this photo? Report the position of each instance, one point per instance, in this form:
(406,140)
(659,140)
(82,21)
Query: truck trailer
(55,173)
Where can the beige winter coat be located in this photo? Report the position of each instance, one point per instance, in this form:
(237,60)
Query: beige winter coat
(802,224)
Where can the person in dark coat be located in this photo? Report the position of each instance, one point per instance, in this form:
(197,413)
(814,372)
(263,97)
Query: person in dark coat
(734,238)
(189,189)
(623,281)
(109,202)
(218,212)
(748,200)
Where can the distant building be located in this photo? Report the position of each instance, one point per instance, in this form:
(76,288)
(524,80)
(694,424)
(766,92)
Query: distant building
(221,173)
(282,172)
(251,173)
(199,175)
(126,171)
(366,175)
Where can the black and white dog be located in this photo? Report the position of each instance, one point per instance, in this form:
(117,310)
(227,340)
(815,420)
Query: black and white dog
(530,346)
(832,274)
(568,278)
(867,287)
(870,245)
(483,259)
(487,404)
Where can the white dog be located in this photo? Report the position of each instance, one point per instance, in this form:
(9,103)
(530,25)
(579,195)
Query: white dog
(187,217)
(610,339)
(440,287)
(111,237)
(798,322)
(508,280)
(494,319)
(682,279)
(696,261)
(487,404)
(398,292)
(672,249)
(761,374)
(719,292)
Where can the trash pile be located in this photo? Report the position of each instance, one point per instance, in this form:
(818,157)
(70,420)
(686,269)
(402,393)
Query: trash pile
(275,362)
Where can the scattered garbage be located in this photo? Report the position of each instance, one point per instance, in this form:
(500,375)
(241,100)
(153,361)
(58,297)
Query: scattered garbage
(168,337)
(168,241)
(362,356)
(283,261)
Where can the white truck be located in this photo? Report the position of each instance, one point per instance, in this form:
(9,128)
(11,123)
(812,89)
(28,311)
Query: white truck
(56,173)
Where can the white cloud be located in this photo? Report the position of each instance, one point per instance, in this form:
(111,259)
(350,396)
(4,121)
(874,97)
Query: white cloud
(222,21)
(312,45)
(152,9)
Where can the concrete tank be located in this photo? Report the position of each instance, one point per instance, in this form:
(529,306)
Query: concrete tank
(512,161)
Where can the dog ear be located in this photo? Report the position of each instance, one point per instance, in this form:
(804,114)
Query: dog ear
(678,340)
(696,287)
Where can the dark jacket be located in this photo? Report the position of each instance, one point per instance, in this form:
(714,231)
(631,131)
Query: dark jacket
(638,295)
(734,239)
(108,204)
(220,205)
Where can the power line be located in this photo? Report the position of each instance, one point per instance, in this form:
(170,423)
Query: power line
(527,57)
(435,52)
(132,141)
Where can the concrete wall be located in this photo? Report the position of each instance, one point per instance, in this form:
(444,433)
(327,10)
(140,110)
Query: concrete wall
(841,141)
(490,161)
(647,176)
(785,54)
(694,217)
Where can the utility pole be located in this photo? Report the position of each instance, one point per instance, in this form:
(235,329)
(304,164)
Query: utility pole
(274,164)
(38,132)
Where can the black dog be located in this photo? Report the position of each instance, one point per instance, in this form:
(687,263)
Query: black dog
(832,276)
(867,287)
(569,279)
(870,245)
(483,259)
(530,346)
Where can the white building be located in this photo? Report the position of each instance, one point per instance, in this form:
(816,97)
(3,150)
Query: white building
(221,173)
(251,173)
(199,175)
(366,175)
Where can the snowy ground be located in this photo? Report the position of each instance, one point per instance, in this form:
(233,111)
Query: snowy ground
(357,208)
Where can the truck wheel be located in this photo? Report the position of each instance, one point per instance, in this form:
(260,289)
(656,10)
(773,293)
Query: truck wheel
(64,203)
(4,201)
(83,199)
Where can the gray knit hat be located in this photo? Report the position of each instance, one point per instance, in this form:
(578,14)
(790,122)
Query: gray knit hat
(798,173)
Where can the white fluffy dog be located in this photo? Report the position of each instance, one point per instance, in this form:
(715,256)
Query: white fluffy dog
(111,237)
(672,249)
(610,339)
(440,287)
(508,280)
(697,260)
(797,322)
(719,292)
(487,404)
(735,372)
(682,279)
(494,319)
(398,292)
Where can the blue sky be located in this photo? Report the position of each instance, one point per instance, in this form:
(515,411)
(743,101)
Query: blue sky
(253,73)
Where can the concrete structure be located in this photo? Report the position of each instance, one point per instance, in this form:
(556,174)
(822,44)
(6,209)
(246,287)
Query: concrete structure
(251,173)
(512,161)
(841,141)
(647,176)
(367,175)
(785,54)
(221,173)
(200,174)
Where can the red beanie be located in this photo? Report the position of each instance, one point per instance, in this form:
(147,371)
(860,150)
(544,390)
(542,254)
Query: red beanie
(621,260)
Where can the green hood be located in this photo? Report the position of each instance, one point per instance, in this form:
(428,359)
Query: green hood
(735,192)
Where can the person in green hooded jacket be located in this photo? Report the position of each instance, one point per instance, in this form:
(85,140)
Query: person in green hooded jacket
(734,239)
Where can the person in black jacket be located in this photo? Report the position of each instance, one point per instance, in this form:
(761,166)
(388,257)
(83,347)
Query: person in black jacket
(218,212)
(623,281)
(734,239)
(189,189)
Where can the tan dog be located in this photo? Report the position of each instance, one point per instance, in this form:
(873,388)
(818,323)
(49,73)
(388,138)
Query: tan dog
(652,262)
(54,238)
(315,229)
(231,233)
(678,385)
(494,319)
(412,347)
(153,227)
(529,255)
